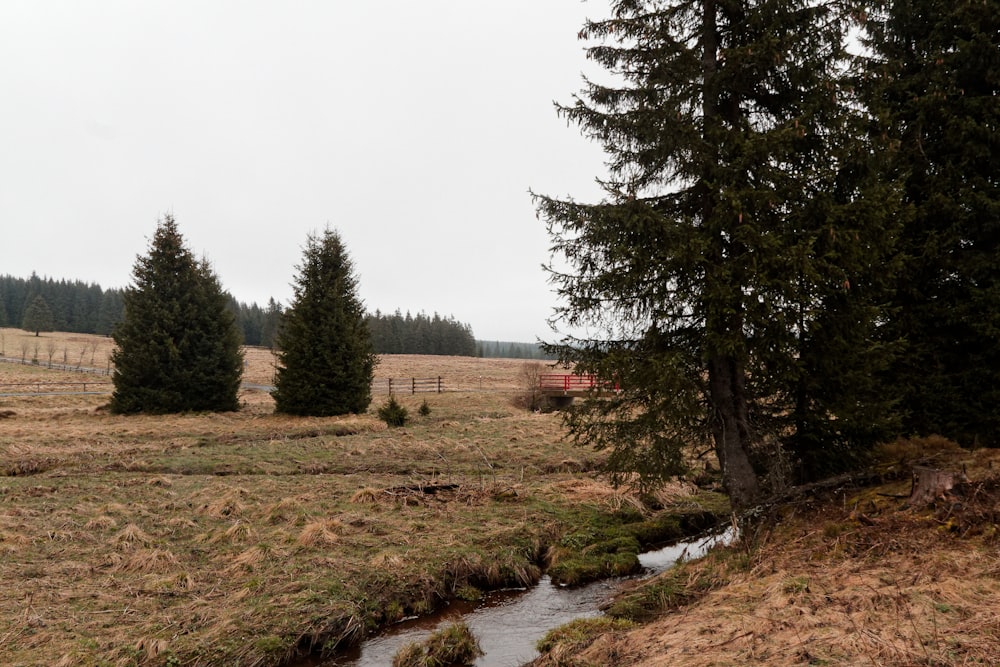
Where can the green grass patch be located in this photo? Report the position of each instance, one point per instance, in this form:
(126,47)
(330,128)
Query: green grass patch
(609,544)
(679,586)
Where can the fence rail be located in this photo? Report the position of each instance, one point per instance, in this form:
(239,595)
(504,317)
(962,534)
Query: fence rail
(54,388)
(38,385)
(54,366)
(408,385)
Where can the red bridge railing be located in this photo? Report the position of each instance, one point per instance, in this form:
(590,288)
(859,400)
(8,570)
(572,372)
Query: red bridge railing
(570,382)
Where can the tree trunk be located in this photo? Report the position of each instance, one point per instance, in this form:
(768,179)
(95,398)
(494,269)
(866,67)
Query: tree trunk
(730,430)
(727,384)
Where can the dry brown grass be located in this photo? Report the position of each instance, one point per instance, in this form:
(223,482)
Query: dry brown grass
(319,533)
(860,579)
(76,350)
(228,538)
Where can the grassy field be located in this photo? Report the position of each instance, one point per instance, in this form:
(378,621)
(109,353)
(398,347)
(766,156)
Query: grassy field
(248,538)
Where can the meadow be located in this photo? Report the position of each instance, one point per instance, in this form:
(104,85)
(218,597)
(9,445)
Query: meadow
(249,538)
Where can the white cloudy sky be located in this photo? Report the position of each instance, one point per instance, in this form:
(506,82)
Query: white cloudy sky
(416,128)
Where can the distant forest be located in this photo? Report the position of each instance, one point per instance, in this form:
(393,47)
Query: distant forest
(498,349)
(76,306)
(80,307)
(406,334)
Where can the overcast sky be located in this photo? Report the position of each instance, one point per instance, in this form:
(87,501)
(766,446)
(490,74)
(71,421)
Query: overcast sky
(414,128)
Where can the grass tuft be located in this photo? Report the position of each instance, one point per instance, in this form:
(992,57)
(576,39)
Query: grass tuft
(102,522)
(132,536)
(319,533)
(365,496)
(147,560)
(248,560)
(452,645)
(229,504)
(577,635)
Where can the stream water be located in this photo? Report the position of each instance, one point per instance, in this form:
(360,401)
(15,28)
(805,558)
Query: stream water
(509,623)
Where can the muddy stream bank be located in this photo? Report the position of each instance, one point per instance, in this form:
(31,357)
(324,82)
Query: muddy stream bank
(509,623)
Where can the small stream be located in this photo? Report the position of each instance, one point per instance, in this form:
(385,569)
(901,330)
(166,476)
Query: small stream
(509,623)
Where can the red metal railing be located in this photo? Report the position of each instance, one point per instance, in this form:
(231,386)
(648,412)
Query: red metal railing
(570,382)
(566,382)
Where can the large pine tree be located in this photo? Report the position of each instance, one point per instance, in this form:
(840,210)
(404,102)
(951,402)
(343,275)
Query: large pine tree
(178,348)
(325,355)
(732,246)
(933,84)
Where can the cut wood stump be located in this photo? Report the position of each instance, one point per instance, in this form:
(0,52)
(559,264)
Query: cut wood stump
(930,484)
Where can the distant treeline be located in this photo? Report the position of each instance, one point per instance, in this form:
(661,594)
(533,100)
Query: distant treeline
(257,324)
(420,334)
(79,307)
(496,349)
(391,334)
(75,306)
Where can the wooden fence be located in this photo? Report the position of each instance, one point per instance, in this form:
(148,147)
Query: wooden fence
(408,385)
(56,366)
(54,388)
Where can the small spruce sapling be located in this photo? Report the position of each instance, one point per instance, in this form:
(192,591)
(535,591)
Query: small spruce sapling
(393,414)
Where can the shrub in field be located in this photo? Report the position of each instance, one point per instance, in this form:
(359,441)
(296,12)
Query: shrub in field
(178,349)
(325,354)
(530,397)
(392,413)
(425,410)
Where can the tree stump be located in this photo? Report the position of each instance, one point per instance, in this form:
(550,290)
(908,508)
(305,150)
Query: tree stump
(930,484)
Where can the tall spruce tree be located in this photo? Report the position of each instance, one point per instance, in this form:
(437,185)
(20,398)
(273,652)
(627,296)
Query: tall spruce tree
(732,246)
(325,355)
(178,348)
(933,84)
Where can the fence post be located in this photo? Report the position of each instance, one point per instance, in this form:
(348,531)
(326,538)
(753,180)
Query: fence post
(390,386)
(439,384)
(413,385)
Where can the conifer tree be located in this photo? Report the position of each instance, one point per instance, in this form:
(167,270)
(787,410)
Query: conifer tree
(272,320)
(325,356)
(933,85)
(110,312)
(178,348)
(38,316)
(731,244)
